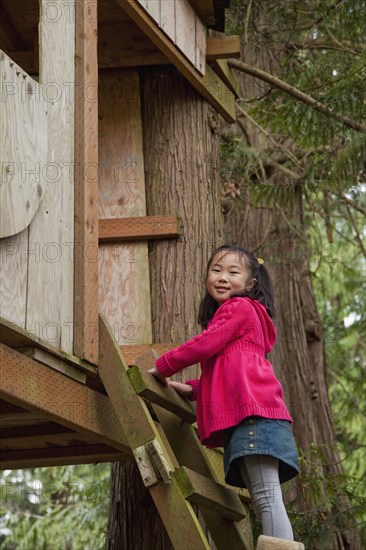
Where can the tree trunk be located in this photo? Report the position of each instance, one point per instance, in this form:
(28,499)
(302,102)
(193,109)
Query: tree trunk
(181,163)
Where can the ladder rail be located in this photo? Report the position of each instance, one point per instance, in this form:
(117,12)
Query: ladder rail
(158,462)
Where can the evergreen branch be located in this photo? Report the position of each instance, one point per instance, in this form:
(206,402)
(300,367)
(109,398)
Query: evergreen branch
(302,237)
(353,222)
(313,208)
(352,203)
(246,23)
(319,45)
(275,143)
(331,35)
(323,43)
(297,94)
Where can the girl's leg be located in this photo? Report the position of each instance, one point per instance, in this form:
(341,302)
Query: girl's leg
(260,473)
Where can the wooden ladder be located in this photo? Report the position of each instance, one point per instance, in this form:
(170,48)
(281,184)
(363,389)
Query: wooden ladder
(173,464)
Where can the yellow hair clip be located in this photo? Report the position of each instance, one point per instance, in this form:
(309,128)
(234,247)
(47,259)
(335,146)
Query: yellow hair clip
(260,261)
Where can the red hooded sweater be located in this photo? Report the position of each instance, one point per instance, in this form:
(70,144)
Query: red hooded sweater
(237,380)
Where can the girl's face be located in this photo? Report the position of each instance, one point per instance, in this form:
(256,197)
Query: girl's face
(227,275)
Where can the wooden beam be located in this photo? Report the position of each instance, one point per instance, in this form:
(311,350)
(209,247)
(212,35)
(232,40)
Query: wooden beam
(20,419)
(148,387)
(32,386)
(223,70)
(86,184)
(54,362)
(123,44)
(58,456)
(131,410)
(209,86)
(176,513)
(189,452)
(206,492)
(44,429)
(131,351)
(17,337)
(222,46)
(138,229)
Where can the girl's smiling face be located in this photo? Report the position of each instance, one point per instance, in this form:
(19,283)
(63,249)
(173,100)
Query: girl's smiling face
(227,275)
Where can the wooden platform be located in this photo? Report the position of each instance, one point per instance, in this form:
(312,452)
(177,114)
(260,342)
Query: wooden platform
(53,406)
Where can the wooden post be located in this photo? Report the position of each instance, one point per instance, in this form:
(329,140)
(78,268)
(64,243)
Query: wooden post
(86,184)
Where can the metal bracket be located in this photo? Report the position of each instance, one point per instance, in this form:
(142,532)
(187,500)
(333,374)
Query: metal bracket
(152,463)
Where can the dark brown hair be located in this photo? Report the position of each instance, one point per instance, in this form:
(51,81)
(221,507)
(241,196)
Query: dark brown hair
(261,291)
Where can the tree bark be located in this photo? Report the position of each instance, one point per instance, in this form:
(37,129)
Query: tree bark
(181,163)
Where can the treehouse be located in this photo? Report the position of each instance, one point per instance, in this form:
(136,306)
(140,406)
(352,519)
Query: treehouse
(75,331)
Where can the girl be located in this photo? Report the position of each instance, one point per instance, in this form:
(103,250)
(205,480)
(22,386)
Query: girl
(239,400)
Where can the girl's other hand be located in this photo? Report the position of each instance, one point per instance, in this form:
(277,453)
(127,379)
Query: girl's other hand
(154,371)
(183,389)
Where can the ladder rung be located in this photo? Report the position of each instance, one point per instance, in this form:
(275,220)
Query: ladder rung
(206,492)
(150,388)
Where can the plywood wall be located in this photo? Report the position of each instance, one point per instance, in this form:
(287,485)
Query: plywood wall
(124,293)
(182,25)
(37,264)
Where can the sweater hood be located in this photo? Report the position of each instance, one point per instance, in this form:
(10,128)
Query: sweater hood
(269,331)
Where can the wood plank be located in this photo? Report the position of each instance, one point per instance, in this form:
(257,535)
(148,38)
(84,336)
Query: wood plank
(65,401)
(210,494)
(167,18)
(209,86)
(189,452)
(54,363)
(130,408)
(131,352)
(26,432)
(149,387)
(222,46)
(153,7)
(223,70)
(50,271)
(23,148)
(176,513)
(32,442)
(15,336)
(58,456)
(20,419)
(219,95)
(13,280)
(124,289)
(123,44)
(185,30)
(200,46)
(139,228)
(86,186)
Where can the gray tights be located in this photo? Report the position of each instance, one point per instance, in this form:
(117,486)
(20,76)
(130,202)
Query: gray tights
(260,473)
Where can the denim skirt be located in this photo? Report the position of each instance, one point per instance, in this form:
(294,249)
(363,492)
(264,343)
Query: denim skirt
(260,436)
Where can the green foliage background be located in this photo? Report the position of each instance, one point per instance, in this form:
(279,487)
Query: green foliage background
(61,508)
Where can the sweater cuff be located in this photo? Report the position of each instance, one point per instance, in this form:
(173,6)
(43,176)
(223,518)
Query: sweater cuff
(163,366)
(195,385)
